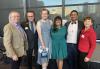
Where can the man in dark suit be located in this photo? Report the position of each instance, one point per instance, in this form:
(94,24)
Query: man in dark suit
(74,27)
(30,29)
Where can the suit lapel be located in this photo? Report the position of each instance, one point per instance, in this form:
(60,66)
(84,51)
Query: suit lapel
(67,24)
(14,28)
(80,25)
(78,28)
(27,24)
(18,32)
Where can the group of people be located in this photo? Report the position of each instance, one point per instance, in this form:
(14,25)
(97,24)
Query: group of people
(73,43)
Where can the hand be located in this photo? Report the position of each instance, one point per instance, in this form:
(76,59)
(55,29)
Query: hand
(15,58)
(86,59)
(43,45)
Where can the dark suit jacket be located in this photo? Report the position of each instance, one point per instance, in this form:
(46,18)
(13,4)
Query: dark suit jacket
(80,26)
(32,37)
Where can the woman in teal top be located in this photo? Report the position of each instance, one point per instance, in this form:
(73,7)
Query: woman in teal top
(59,47)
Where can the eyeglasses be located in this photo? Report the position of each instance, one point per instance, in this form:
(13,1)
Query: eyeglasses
(29,16)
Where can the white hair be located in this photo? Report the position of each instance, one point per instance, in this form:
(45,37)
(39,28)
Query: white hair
(9,17)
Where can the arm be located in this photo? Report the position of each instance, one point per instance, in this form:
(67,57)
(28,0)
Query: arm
(38,27)
(26,43)
(92,41)
(8,42)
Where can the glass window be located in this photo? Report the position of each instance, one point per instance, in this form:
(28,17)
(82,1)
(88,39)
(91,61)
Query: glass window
(11,3)
(70,8)
(52,2)
(87,10)
(80,1)
(8,5)
(4,15)
(38,3)
(54,11)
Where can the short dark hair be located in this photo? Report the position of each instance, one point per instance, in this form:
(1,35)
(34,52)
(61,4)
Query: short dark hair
(44,9)
(74,11)
(88,18)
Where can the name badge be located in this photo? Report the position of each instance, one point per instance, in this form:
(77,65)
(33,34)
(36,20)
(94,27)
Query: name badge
(82,36)
(26,28)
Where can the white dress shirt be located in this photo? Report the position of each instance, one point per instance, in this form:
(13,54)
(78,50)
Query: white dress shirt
(72,33)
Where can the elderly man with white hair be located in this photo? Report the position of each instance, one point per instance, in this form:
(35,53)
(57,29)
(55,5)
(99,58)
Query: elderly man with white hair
(15,40)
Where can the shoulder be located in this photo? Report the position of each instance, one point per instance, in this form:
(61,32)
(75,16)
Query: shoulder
(92,31)
(51,22)
(24,24)
(7,26)
(64,28)
(39,22)
(80,22)
(67,23)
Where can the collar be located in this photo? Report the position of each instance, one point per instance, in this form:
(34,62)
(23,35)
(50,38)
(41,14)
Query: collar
(76,22)
(90,29)
(44,20)
(15,24)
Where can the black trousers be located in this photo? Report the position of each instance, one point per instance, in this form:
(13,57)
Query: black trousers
(16,64)
(29,58)
(72,59)
(82,64)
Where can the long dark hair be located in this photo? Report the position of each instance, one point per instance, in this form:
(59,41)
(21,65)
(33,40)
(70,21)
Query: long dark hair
(54,23)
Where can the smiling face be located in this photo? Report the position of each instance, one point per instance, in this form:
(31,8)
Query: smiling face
(74,16)
(58,23)
(14,17)
(44,14)
(30,16)
(87,23)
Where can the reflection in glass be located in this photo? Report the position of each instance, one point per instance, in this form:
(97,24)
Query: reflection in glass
(38,3)
(35,3)
(11,4)
(4,15)
(52,2)
(80,1)
(54,11)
